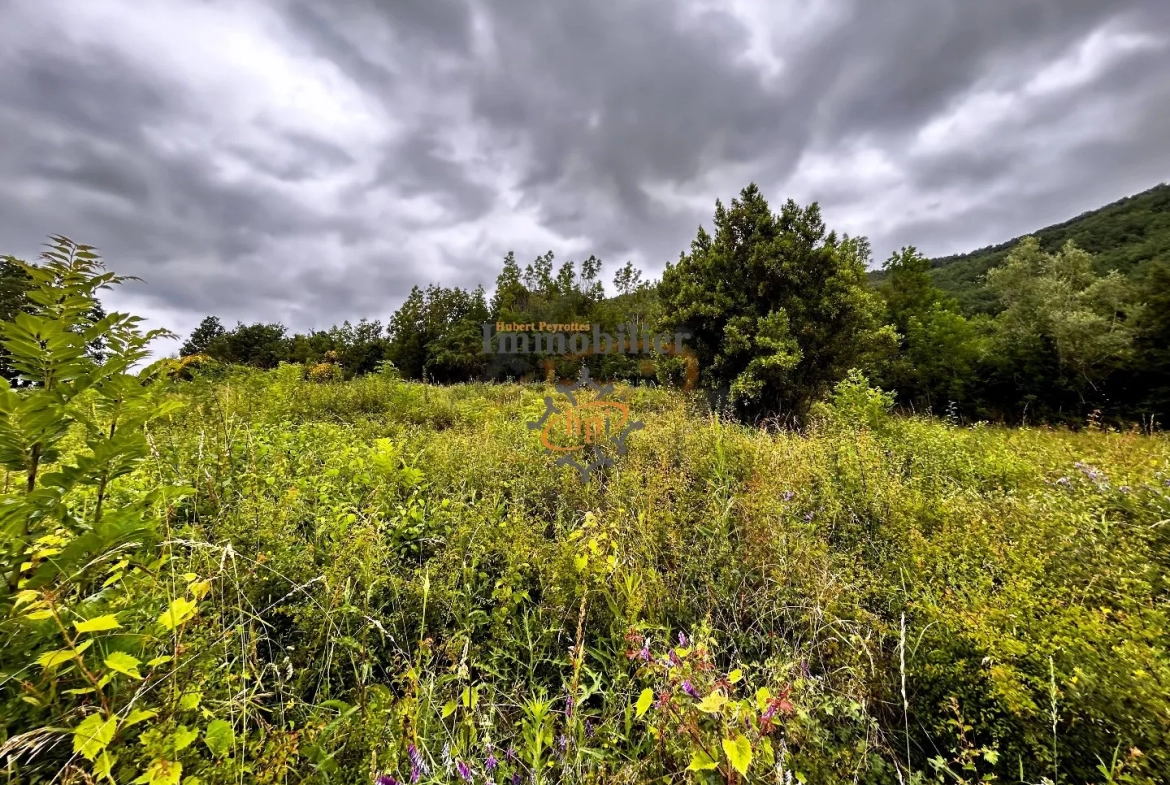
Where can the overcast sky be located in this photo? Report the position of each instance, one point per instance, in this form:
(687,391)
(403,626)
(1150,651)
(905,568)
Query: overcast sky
(307,161)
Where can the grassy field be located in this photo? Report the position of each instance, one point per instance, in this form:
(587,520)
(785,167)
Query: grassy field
(385,579)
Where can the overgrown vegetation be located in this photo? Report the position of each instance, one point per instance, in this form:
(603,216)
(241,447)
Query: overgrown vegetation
(262,577)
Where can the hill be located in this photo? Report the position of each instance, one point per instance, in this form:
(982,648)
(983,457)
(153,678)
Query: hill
(1125,235)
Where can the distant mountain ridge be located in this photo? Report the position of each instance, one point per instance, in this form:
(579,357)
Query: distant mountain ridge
(1125,236)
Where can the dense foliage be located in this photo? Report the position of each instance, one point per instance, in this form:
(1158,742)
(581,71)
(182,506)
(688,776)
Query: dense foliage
(1069,324)
(263,578)
(1128,236)
(283,559)
(777,306)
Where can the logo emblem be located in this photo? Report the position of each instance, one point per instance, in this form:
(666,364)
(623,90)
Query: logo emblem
(580,431)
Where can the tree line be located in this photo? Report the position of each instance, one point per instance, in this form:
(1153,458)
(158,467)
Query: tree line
(777,309)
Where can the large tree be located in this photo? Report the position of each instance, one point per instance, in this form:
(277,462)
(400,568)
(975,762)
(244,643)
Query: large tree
(202,337)
(939,348)
(1063,329)
(1152,364)
(259,345)
(777,307)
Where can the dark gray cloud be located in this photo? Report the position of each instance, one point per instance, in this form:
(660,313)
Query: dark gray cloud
(308,162)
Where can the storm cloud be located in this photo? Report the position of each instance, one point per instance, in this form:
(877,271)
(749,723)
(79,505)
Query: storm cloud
(309,162)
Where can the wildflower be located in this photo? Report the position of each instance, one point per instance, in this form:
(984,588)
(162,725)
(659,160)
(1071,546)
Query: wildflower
(674,660)
(447,757)
(788,495)
(568,706)
(689,689)
(464,770)
(809,515)
(490,764)
(1125,489)
(1089,471)
(645,653)
(563,742)
(417,760)
(682,639)
(516,778)
(590,727)
(510,754)
(1064,481)
(385,779)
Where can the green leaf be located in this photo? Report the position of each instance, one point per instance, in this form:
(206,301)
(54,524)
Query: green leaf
(762,695)
(644,701)
(448,709)
(98,624)
(104,764)
(219,738)
(161,772)
(92,735)
(179,611)
(190,700)
(124,663)
(739,752)
(735,676)
(701,761)
(51,659)
(137,716)
(183,737)
(713,703)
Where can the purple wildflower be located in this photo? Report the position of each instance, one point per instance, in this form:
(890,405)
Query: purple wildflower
(645,653)
(590,727)
(563,742)
(385,779)
(682,639)
(809,515)
(490,764)
(568,706)
(417,760)
(415,774)
(674,660)
(464,770)
(689,689)
(788,495)
(516,778)
(510,754)
(447,756)
(1089,471)
(1064,481)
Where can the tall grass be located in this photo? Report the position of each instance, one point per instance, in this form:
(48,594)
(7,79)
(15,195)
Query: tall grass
(403,584)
